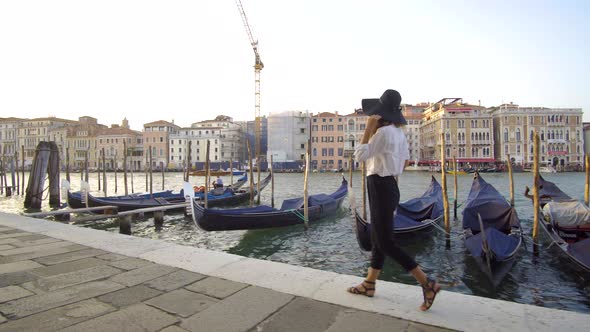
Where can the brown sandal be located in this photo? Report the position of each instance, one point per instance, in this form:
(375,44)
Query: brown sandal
(362,289)
(433,287)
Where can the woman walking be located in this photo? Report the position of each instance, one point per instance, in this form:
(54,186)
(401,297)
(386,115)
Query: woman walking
(384,149)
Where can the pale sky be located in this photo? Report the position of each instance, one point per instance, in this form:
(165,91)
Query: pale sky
(191,60)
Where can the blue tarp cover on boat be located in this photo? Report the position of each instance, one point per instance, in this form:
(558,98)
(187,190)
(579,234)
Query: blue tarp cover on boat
(495,211)
(255,209)
(499,243)
(314,200)
(548,188)
(427,206)
(581,251)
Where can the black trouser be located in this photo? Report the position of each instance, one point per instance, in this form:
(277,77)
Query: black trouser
(383,200)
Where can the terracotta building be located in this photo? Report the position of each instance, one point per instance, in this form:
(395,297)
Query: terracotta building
(157,135)
(327,141)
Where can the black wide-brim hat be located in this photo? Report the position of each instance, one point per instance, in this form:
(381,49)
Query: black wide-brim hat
(388,107)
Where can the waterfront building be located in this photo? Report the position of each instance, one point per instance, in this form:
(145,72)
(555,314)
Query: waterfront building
(32,131)
(327,141)
(250,134)
(8,136)
(111,140)
(560,133)
(353,133)
(468,130)
(82,139)
(157,135)
(413,115)
(586,128)
(288,134)
(225,142)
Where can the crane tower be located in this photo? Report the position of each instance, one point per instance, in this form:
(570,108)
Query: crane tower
(258,65)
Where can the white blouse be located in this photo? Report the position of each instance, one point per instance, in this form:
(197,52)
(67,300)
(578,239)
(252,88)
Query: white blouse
(386,153)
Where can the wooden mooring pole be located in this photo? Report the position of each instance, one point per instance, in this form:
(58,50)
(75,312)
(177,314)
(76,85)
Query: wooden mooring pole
(455,189)
(132,169)
(231,171)
(272,184)
(22,152)
(258,180)
(34,192)
(53,170)
(104,173)
(509,164)
(146,170)
(189,160)
(115,162)
(86,166)
(206,193)
(17,173)
(68,164)
(151,174)
(99,169)
(125,167)
(536,203)
(250,173)
(2,174)
(443,173)
(587,183)
(163,177)
(305,186)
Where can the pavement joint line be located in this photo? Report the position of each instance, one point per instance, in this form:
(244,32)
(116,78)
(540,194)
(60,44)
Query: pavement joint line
(394,299)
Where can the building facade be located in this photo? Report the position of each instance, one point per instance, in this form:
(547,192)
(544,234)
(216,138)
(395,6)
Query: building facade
(33,131)
(327,141)
(82,140)
(560,132)
(226,142)
(353,133)
(8,136)
(288,134)
(413,115)
(157,135)
(112,140)
(468,130)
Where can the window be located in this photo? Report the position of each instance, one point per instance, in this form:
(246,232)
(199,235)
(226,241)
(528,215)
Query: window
(505,134)
(302,130)
(303,145)
(518,134)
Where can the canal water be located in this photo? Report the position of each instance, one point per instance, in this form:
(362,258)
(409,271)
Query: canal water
(548,280)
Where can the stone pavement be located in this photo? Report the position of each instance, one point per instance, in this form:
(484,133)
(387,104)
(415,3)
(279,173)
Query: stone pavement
(48,284)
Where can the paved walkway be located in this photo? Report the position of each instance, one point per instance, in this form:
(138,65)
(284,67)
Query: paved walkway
(47,284)
(58,277)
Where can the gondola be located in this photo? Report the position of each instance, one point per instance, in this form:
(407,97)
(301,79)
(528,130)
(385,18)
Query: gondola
(574,239)
(75,198)
(414,215)
(263,216)
(495,248)
(229,197)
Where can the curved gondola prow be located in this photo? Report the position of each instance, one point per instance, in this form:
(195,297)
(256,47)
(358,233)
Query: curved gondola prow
(189,196)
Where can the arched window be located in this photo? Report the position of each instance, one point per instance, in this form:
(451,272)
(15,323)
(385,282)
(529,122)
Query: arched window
(543,149)
(315,152)
(567,135)
(518,134)
(505,134)
(542,135)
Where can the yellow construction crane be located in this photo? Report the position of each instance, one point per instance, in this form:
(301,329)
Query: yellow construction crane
(258,65)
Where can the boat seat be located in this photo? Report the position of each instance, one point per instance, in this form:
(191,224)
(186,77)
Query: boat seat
(578,228)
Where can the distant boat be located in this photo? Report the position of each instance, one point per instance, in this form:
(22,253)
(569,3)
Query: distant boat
(219,172)
(542,169)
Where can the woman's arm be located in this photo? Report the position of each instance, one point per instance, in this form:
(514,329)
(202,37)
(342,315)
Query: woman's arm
(365,150)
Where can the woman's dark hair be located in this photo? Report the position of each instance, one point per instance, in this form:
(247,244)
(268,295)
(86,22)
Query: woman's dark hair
(383,123)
